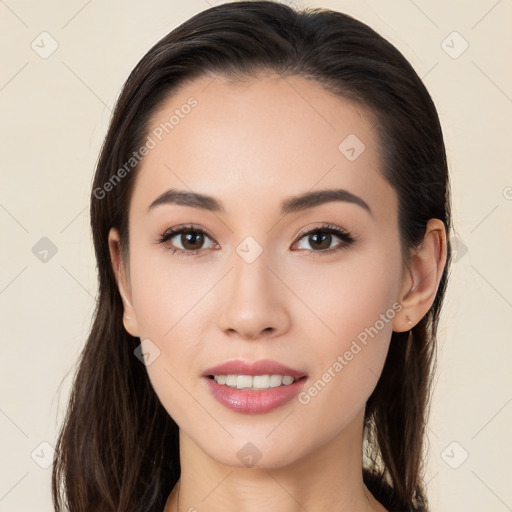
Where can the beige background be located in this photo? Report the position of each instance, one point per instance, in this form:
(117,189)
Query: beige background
(54,113)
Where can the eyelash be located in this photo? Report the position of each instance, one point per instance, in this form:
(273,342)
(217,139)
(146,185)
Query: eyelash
(344,235)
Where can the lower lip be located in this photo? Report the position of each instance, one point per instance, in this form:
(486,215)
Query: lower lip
(253,401)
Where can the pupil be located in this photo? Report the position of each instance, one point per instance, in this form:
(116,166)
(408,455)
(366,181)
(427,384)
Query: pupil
(324,236)
(192,237)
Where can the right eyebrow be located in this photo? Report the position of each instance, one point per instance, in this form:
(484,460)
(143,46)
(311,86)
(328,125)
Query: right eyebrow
(184,198)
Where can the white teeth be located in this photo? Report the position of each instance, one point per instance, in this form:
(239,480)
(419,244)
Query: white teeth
(261,381)
(244,381)
(221,379)
(231,380)
(254,382)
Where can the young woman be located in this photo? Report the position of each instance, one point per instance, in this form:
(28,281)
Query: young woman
(270,214)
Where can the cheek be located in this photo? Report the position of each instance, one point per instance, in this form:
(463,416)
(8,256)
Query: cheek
(347,296)
(167,295)
(171,302)
(354,304)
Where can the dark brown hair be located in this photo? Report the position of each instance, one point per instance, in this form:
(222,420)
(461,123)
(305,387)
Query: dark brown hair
(118,447)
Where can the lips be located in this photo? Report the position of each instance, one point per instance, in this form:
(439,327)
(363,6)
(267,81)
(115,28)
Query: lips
(249,400)
(263,367)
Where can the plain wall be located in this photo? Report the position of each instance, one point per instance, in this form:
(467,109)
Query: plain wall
(54,114)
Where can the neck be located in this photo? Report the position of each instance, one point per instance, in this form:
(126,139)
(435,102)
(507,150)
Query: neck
(330,477)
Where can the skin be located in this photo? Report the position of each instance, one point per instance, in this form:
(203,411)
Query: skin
(250,145)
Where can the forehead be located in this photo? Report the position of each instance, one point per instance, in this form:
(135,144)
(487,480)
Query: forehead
(259,140)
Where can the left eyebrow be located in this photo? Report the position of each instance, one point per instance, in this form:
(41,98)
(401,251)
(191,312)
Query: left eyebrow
(290,205)
(318,197)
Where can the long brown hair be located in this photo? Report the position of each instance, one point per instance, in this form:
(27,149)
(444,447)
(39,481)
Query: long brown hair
(118,447)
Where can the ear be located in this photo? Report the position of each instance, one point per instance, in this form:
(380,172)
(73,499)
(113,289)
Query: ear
(121,272)
(422,277)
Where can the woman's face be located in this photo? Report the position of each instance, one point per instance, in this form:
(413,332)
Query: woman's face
(247,282)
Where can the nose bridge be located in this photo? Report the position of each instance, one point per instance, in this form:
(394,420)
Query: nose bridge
(253,302)
(251,276)
(250,272)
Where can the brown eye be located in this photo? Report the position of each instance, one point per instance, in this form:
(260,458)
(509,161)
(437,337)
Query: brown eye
(186,240)
(191,240)
(320,240)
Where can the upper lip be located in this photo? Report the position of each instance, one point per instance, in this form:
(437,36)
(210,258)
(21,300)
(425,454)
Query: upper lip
(263,367)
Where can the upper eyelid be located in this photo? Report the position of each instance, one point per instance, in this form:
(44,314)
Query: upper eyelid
(324,227)
(304,231)
(179,229)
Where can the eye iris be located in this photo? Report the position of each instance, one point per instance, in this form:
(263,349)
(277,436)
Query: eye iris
(190,237)
(324,237)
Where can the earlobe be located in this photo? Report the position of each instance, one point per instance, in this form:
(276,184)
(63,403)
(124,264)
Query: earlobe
(123,282)
(424,273)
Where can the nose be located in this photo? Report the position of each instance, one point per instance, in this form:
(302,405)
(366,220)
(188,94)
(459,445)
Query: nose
(253,302)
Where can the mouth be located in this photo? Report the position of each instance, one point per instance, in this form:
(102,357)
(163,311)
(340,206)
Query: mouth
(254,382)
(254,388)
(266,371)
